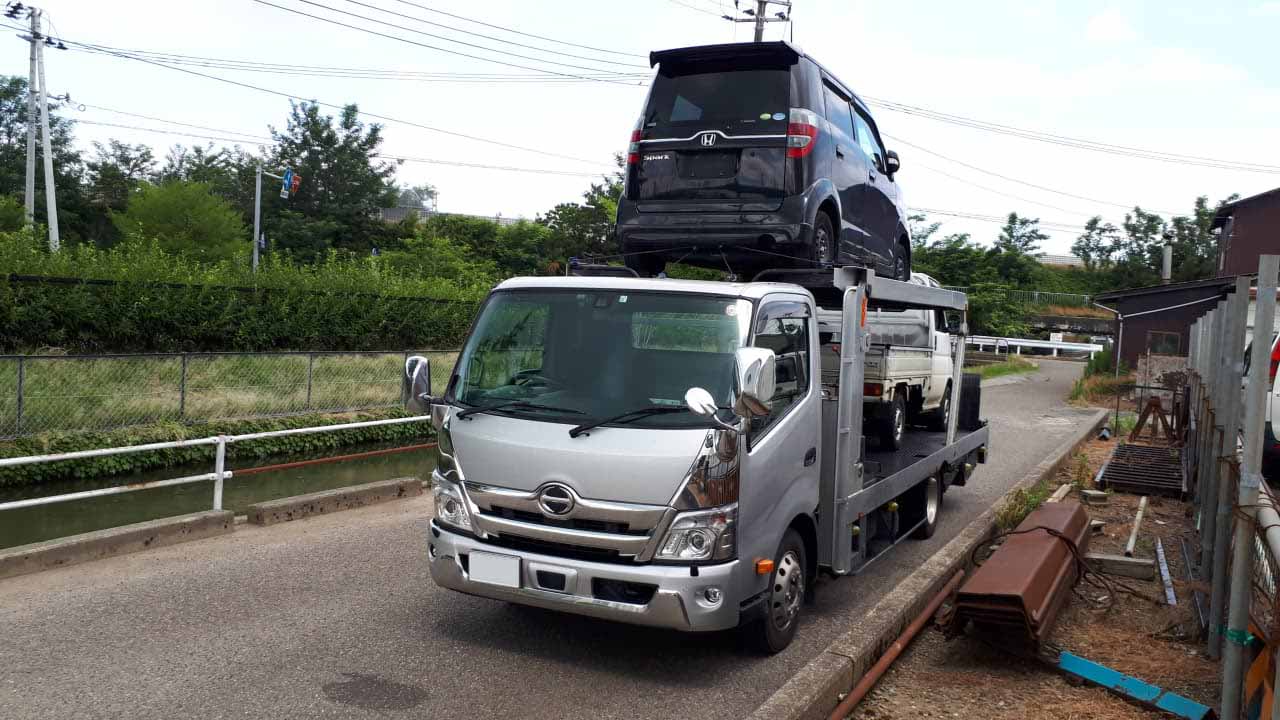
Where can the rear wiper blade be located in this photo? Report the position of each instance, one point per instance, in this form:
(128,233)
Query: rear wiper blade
(514,405)
(628,416)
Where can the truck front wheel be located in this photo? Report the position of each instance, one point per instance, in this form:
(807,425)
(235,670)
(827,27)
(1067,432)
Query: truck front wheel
(785,596)
(894,423)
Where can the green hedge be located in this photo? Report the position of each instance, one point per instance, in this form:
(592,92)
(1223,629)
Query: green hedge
(310,445)
(135,298)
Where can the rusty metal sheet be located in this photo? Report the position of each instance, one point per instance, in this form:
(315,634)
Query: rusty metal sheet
(1027,580)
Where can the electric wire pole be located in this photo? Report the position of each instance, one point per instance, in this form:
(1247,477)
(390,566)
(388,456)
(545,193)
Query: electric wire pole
(30,197)
(760,15)
(50,200)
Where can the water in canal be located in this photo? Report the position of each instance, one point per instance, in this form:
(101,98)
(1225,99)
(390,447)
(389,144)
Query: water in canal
(45,522)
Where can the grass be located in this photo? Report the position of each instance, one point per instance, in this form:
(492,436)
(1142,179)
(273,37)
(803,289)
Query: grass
(77,394)
(1013,366)
(1023,500)
(1099,389)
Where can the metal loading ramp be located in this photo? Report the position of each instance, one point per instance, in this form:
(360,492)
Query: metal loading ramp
(1145,470)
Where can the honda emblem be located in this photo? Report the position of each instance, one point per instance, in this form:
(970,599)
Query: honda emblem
(708,139)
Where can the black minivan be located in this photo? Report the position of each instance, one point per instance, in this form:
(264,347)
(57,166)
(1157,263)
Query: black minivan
(751,156)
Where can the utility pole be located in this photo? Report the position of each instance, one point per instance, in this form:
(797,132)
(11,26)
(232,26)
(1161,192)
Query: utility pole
(290,182)
(760,15)
(30,197)
(50,200)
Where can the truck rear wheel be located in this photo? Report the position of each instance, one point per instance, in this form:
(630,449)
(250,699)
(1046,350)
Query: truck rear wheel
(785,597)
(894,423)
(932,498)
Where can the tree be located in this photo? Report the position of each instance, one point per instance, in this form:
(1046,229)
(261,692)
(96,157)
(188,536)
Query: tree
(1020,235)
(586,228)
(185,218)
(343,184)
(1098,245)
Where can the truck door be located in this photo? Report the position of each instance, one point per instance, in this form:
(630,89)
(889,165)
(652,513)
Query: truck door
(781,468)
(941,358)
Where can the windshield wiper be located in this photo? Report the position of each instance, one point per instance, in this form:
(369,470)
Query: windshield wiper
(628,416)
(514,405)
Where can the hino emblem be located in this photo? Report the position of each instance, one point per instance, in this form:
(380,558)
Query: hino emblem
(556,499)
(708,139)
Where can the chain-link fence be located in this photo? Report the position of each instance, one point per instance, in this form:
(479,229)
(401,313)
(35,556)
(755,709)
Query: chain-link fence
(76,393)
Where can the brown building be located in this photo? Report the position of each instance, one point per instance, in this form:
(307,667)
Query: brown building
(1249,227)
(1157,319)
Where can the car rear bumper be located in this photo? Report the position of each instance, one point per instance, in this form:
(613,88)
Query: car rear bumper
(712,230)
(678,600)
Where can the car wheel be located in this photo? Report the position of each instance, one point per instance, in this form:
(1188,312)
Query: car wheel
(901,263)
(932,497)
(785,596)
(646,265)
(822,246)
(895,423)
(938,420)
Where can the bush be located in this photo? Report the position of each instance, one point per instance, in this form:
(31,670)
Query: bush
(186,219)
(138,298)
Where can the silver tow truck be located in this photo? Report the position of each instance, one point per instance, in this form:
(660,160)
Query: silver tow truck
(669,453)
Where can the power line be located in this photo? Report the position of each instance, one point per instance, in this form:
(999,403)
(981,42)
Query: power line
(1016,180)
(517,32)
(695,8)
(384,156)
(490,37)
(1044,224)
(376,116)
(1072,142)
(433,47)
(970,183)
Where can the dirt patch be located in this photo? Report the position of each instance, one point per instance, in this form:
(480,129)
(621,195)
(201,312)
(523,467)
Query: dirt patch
(974,676)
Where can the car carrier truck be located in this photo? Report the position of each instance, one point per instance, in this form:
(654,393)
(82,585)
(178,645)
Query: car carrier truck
(668,452)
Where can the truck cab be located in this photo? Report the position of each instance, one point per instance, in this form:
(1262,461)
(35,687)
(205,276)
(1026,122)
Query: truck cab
(666,452)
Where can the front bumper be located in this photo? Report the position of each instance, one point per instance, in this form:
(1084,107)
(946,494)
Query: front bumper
(677,603)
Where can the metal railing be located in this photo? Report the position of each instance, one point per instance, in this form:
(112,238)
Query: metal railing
(1036,297)
(1018,344)
(219,474)
(74,393)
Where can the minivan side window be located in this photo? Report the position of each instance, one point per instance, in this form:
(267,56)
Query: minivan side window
(868,142)
(838,111)
(783,327)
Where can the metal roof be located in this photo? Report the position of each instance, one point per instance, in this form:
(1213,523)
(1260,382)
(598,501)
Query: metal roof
(1226,283)
(753,290)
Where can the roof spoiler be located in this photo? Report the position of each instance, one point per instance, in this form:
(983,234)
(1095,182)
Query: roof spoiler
(728,51)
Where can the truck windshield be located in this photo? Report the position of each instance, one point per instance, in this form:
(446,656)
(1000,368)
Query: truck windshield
(600,353)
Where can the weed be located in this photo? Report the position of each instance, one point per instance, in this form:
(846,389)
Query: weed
(1012,366)
(1020,504)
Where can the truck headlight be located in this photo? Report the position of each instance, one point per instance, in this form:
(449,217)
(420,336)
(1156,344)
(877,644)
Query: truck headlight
(702,535)
(451,505)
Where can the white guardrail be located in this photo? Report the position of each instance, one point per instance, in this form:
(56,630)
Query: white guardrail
(218,476)
(998,342)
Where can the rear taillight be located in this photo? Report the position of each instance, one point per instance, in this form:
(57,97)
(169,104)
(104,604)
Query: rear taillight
(1275,362)
(872,389)
(633,150)
(802,131)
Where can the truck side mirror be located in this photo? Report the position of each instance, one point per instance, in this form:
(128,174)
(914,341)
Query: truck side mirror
(757,373)
(417,374)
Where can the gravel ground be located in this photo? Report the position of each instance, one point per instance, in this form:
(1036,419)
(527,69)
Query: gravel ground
(336,616)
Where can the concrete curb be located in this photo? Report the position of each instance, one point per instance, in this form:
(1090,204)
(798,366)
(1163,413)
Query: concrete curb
(113,541)
(814,691)
(329,501)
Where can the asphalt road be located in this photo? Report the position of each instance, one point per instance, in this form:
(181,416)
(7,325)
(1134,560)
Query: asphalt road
(337,617)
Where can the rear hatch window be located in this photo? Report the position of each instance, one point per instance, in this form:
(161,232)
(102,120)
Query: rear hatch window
(713,139)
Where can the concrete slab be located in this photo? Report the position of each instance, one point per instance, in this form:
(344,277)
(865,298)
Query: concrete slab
(330,501)
(49,554)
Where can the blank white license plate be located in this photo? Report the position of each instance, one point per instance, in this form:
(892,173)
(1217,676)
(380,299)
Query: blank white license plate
(495,569)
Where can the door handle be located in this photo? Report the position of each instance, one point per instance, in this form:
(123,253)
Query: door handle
(839,152)
(811,457)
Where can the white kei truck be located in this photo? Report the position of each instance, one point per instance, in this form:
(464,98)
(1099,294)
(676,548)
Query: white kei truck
(669,452)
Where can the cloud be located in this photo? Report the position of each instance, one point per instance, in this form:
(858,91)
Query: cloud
(1270,8)
(1110,27)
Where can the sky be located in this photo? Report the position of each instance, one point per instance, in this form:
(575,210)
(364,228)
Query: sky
(1192,78)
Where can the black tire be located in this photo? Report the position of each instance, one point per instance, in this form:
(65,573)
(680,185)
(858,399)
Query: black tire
(970,402)
(893,426)
(822,246)
(647,265)
(938,417)
(785,597)
(931,493)
(901,261)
